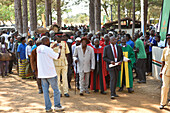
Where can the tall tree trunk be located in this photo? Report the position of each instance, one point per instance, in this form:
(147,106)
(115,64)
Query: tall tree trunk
(92,16)
(47,12)
(133,25)
(145,14)
(31,17)
(97,15)
(25,18)
(35,14)
(50,13)
(16,10)
(119,20)
(19,17)
(59,12)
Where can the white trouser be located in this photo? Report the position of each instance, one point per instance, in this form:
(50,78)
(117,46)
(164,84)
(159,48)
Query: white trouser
(84,81)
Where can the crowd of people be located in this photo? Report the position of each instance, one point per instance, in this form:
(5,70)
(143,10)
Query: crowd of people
(106,59)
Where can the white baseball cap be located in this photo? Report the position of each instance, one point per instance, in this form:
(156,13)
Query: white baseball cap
(78,39)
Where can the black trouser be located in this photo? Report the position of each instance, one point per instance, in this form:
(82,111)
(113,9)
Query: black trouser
(150,62)
(10,65)
(39,83)
(140,69)
(96,74)
(69,76)
(113,80)
(107,78)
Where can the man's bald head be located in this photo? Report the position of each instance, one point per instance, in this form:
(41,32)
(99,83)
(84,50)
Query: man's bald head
(45,41)
(38,42)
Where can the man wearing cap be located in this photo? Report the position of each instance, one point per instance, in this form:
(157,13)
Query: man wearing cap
(84,57)
(165,74)
(78,41)
(61,64)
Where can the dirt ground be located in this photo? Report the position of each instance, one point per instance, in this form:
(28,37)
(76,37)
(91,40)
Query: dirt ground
(18,95)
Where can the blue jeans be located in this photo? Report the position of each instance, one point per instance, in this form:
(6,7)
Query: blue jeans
(54,84)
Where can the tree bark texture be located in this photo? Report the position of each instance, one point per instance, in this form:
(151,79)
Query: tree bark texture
(119,20)
(97,15)
(47,12)
(145,14)
(25,18)
(35,14)
(19,16)
(133,25)
(59,12)
(16,10)
(50,12)
(32,19)
(92,16)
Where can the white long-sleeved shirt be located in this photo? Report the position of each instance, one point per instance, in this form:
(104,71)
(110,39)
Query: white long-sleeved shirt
(28,51)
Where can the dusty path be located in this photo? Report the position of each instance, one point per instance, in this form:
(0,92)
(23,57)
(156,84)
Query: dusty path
(17,95)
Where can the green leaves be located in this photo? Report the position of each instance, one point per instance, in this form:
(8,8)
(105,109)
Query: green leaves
(7,12)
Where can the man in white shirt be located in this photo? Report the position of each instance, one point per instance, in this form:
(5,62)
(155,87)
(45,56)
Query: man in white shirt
(78,41)
(4,34)
(47,73)
(159,41)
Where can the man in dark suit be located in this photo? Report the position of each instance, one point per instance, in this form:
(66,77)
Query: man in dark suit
(113,55)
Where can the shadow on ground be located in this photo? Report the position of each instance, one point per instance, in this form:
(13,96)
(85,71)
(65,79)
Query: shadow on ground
(17,95)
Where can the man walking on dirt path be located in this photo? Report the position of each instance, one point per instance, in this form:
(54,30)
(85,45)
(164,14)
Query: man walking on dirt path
(47,73)
(84,57)
(165,74)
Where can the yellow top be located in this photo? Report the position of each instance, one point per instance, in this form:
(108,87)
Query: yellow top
(62,61)
(166,58)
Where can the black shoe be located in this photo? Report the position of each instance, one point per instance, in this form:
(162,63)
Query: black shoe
(130,90)
(103,92)
(141,81)
(6,75)
(81,94)
(87,92)
(96,91)
(112,97)
(120,90)
(78,88)
(11,72)
(107,87)
(116,95)
(161,106)
(61,95)
(66,95)
(40,91)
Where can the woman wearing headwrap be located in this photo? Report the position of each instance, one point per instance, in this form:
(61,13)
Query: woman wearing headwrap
(28,71)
